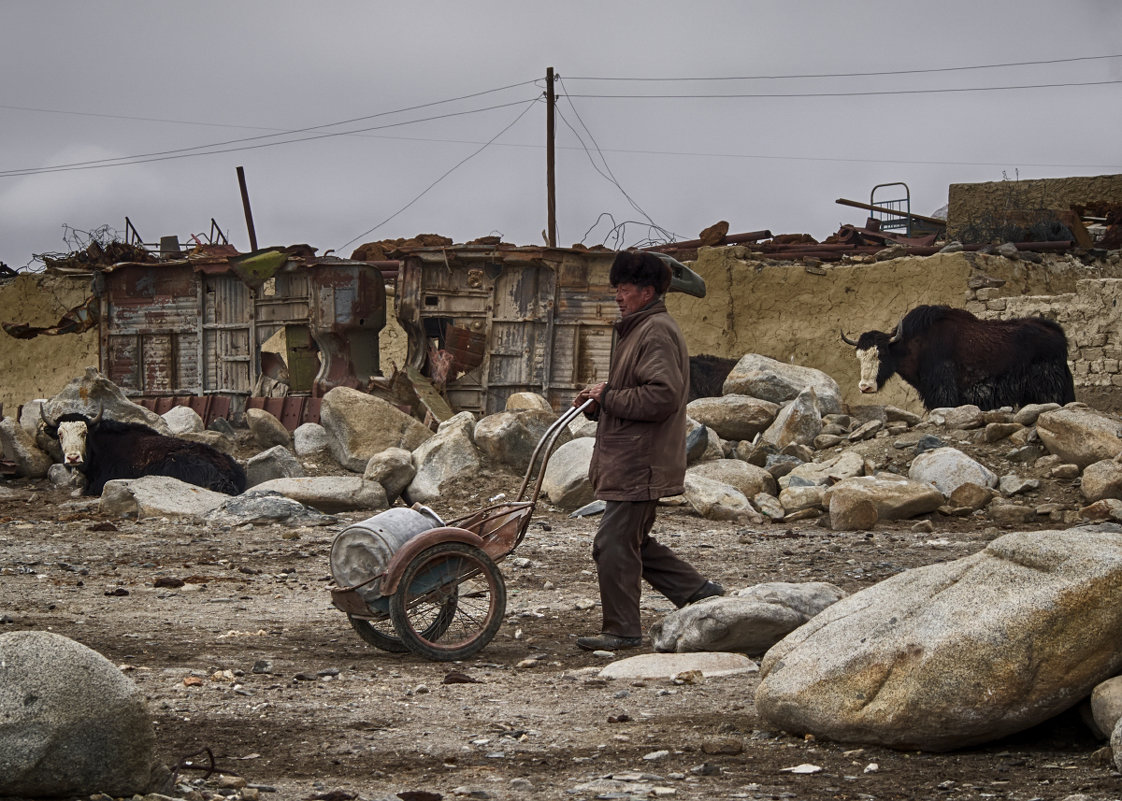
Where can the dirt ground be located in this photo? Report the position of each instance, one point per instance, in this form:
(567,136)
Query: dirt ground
(231,635)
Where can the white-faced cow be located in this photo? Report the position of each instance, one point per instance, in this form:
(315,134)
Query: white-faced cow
(952,359)
(104,450)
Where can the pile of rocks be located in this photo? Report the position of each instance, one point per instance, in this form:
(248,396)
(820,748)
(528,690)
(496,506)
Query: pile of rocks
(776,446)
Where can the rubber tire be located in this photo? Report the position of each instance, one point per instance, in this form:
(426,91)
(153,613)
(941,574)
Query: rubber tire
(381,633)
(373,631)
(426,643)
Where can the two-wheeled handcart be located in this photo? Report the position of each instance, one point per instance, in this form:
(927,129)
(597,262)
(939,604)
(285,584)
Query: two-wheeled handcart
(408,581)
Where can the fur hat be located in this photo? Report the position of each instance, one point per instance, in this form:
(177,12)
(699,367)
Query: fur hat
(640,268)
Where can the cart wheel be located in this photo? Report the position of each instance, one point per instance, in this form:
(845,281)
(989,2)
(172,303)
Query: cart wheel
(380,633)
(421,598)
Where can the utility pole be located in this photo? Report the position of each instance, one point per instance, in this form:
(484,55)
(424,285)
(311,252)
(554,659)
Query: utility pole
(550,176)
(248,211)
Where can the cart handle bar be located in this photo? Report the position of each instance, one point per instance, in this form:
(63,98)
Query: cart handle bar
(548,439)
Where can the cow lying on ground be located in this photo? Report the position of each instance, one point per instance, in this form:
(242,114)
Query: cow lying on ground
(104,450)
(952,359)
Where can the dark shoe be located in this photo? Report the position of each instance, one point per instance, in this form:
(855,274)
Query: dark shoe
(608,642)
(709,589)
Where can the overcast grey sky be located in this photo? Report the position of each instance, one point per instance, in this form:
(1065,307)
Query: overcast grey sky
(140,85)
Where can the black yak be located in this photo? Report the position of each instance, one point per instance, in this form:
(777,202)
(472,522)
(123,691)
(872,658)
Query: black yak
(952,359)
(104,450)
(707,376)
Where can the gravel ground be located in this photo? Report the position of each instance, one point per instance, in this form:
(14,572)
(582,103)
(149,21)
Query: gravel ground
(231,635)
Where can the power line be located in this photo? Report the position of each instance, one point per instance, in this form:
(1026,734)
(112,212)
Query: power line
(854,74)
(448,172)
(848,94)
(610,176)
(209,147)
(171,155)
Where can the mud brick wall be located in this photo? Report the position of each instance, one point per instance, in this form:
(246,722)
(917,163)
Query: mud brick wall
(40,367)
(796,315)
(972,202)
(1091,317)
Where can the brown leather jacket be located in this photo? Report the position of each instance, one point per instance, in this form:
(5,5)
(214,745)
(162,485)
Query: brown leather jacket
(640,452)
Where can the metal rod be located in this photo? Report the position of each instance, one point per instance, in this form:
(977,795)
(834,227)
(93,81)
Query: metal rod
(895,212)
(547,440)
(728,239)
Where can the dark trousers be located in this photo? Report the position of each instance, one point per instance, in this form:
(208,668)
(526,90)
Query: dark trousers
(625,554)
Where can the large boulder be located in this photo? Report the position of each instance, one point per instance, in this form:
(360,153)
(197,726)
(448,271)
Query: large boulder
(798,422)
(956,653)
(393,469)
(566,482)
(329,493)
(510,437)
(1079,435)
(747,478)
(71,724)
(734,417)
(751,621)
(277,462)
(267,430)
(778,382)
(1102,480)
(846,464)
(263,507)
(183,420)
(310,439)
(947,469)
(18,446)
(527,401)
(449,455)
(92,393)
(157,496)
(716,500)
(962,418)
(894,497)
(361,425)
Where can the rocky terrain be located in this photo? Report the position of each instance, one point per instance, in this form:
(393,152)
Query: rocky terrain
(230,633)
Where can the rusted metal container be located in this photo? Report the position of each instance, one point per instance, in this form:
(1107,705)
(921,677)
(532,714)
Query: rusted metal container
(512,320)
(362,551)
(196,326)
(485,321)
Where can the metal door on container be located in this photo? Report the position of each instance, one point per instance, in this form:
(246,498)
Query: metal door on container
(227,334)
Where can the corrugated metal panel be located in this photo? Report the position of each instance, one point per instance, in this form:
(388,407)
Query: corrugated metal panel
(193,327)
(151,339)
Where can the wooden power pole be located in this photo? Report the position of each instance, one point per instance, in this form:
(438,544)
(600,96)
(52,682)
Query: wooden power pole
(550,175)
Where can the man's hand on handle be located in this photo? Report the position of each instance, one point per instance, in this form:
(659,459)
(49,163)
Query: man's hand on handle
(591,393)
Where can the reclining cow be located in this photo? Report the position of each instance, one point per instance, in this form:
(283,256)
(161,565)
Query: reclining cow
(104,450)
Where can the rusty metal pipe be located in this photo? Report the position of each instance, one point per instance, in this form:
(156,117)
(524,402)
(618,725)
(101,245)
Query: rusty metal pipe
(729,239)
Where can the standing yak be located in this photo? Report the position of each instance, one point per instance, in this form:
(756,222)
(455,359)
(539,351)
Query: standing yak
(952,359)
(104,450)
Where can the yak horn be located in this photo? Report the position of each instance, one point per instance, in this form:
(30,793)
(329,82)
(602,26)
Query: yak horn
(100,412)
(43,414)
(847,340)
(898,333)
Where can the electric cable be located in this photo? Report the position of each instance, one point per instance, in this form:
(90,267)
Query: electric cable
(448,172)
(208,147)
(855,74)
